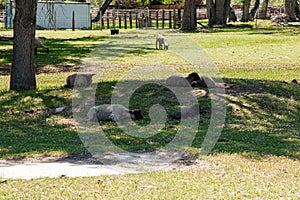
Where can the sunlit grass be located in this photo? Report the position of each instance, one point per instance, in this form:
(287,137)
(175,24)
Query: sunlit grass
(218,177)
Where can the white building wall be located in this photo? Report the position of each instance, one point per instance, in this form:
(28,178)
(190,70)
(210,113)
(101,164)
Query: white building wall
(45,15)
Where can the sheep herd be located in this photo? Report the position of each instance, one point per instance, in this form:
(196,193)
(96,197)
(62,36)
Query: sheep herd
(116,112)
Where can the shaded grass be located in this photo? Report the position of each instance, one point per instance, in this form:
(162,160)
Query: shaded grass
(66,49)
(263,117)
(29,126)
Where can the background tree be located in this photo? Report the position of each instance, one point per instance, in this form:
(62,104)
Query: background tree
(253,10)
(189,16)
(217,12)
(264,9)
(102,10)
(246,8)
(292,10)
(23,69)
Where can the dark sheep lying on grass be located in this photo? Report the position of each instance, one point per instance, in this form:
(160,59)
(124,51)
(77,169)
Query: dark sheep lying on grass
(192,79)
(200,81)
(112,112)
(79,80)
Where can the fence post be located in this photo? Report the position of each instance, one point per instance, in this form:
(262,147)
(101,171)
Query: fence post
(107,20)
(163,19)
(54,22)
(150,19)
(120,21)
(156,19)
(73,21)
(136,20)
(170,19)
(125,21)
(174,19)
(101,21)
(130,19)
(114,22)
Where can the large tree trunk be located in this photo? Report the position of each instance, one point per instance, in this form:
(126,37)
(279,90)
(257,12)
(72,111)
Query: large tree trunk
(189,16)
(23,70)
(264,9)
(253,10)
(222,11)
(217,12)
(246,8)
(291,10)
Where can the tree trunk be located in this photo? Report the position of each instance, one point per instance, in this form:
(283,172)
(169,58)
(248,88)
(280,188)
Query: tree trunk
(189,16)
(253,10)
(23,70)
(211,12)
(102,10)
(217,12)
(297,10)
(246,8)
(264,9)
(222,11)
(291,9)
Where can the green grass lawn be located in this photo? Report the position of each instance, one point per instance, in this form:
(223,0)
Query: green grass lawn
(259,160)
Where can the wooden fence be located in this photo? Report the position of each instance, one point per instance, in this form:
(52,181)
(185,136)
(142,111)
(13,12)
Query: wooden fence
(128,19)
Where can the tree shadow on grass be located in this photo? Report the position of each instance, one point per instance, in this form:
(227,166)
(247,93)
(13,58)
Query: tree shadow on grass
(29,127)
(66,54)
(253,30)
(262,119)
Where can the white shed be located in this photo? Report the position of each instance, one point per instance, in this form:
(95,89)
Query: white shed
(61,14)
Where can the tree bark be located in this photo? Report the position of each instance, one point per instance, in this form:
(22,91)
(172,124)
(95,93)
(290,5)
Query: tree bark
(217,12)
(23,70)
(246,8)
(291,10)
(189,16)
